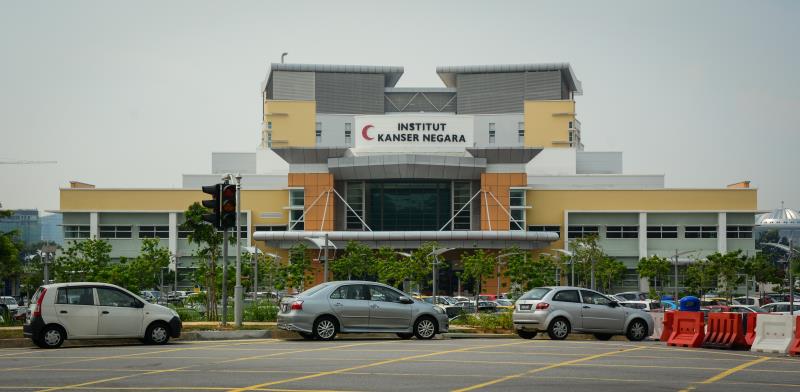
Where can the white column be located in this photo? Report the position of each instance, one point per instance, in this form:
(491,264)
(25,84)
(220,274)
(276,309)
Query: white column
(249,228)
(173,239)
(644,284)
(93,225)
(722,232)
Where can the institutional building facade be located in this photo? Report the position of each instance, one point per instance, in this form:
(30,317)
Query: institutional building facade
(492,159)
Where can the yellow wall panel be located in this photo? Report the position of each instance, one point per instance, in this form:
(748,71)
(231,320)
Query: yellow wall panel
(293,122)
(547,123)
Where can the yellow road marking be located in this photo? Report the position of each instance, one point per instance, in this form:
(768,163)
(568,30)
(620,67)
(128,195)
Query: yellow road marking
(385,362)
(328,348)
(106,380)
(730,371)
(537,370)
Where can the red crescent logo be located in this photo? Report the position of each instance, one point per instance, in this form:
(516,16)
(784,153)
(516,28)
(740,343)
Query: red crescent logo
(364,132)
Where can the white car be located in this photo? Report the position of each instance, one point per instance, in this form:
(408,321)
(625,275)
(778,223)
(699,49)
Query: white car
(781,308)
(8,304)
(90,310)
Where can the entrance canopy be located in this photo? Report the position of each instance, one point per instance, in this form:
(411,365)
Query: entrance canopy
(414,239)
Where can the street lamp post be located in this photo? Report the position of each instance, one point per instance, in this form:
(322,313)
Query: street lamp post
(237,289)
(790,250)
(571,264)
(675,283)
(405,280)
(497,270)
(435,253)
(324,247)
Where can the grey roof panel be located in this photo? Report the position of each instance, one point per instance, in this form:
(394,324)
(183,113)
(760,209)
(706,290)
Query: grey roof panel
(392,73)
(448,72)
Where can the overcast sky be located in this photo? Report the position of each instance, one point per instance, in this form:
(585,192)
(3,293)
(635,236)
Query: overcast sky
(134,94)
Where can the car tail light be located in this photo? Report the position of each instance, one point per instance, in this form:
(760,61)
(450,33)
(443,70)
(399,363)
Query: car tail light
(297,305)
(542,306)
(37,310)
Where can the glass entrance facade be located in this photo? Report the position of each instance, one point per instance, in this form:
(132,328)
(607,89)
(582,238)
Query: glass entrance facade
(408,206)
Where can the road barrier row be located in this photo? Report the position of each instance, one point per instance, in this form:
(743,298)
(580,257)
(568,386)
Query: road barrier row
(770,333)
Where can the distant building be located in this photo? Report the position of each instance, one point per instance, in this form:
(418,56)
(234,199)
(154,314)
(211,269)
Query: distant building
(51,228)
(494,158)
(26,222)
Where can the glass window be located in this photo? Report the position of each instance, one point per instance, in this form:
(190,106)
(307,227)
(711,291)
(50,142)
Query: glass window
(296,220)
(116,298)
(462,192)
(700,232)
(319,133)
(736,231)
(296,197)
(74,232)
(491,133)
(153,231)
(567,296)
(622,232)
(348,133)
(521,132)
(517,197)
(75,296)
(662,231)
(108,231)
(383,294)
(537,293)
(400,206)
(355,198)
(593,298)
(354,291)
(271,228)
(269,124)
(581,231)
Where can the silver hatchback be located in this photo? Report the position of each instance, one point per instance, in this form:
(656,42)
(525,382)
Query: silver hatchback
(561,309)
(328,309)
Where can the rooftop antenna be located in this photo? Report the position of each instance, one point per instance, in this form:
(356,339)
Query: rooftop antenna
(283,55)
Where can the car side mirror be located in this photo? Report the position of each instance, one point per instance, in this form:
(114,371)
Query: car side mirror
(405,300)
(613,304)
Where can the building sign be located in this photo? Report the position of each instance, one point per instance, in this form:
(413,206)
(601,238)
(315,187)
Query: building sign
(435,131)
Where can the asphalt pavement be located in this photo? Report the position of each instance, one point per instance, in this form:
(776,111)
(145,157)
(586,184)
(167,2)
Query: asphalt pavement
(395,365)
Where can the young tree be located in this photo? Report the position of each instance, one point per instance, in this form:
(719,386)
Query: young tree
(609,271)
(527,272)
(586,252)
(10,265)
(729,267)
(297,270)
(700,276)
(145,270)
(357,261)
(209,243)
(762,270)
(85,260)
(655,268)
(389,267)
(478,265)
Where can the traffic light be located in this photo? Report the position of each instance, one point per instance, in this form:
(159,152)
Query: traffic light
(213,204)
(227,206)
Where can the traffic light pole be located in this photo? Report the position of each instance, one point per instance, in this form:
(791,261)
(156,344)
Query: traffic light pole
(237,290)
(224,276)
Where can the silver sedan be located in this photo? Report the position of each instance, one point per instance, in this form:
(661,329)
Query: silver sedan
(328,309)
(561,309)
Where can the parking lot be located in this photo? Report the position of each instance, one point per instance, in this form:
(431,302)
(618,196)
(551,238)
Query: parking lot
(380,365)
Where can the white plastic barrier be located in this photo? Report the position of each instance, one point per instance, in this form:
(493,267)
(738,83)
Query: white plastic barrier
(658,325)
(774,333)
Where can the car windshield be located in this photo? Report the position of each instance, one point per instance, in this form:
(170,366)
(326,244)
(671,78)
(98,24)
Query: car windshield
(757,309)
(536,294)
(504,302)
(9,301)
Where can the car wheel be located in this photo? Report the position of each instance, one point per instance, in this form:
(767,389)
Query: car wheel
(558,329)
(425,328)
(306,335)
(157,333)
(603,336)
(325,328)
(526,334)
(637,330)
(52,337)
(405,336)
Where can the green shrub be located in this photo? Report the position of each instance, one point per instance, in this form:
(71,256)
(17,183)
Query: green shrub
(487,321)
(261,311)
(187,314)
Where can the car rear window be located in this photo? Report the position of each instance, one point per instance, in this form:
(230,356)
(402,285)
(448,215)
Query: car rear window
(536,294)
(567,296)
(313,290)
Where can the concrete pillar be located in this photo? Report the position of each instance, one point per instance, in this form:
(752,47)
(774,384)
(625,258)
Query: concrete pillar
(93,225)
(644,284)
(722,232)
(173,239)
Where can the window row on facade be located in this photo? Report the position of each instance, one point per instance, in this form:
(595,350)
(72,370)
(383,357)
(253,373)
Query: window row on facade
(75,232)
(664,232)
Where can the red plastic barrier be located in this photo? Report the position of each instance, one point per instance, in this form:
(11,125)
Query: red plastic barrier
(794,348)
(750,329)
(688,330)
(667,331)
(725,330)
